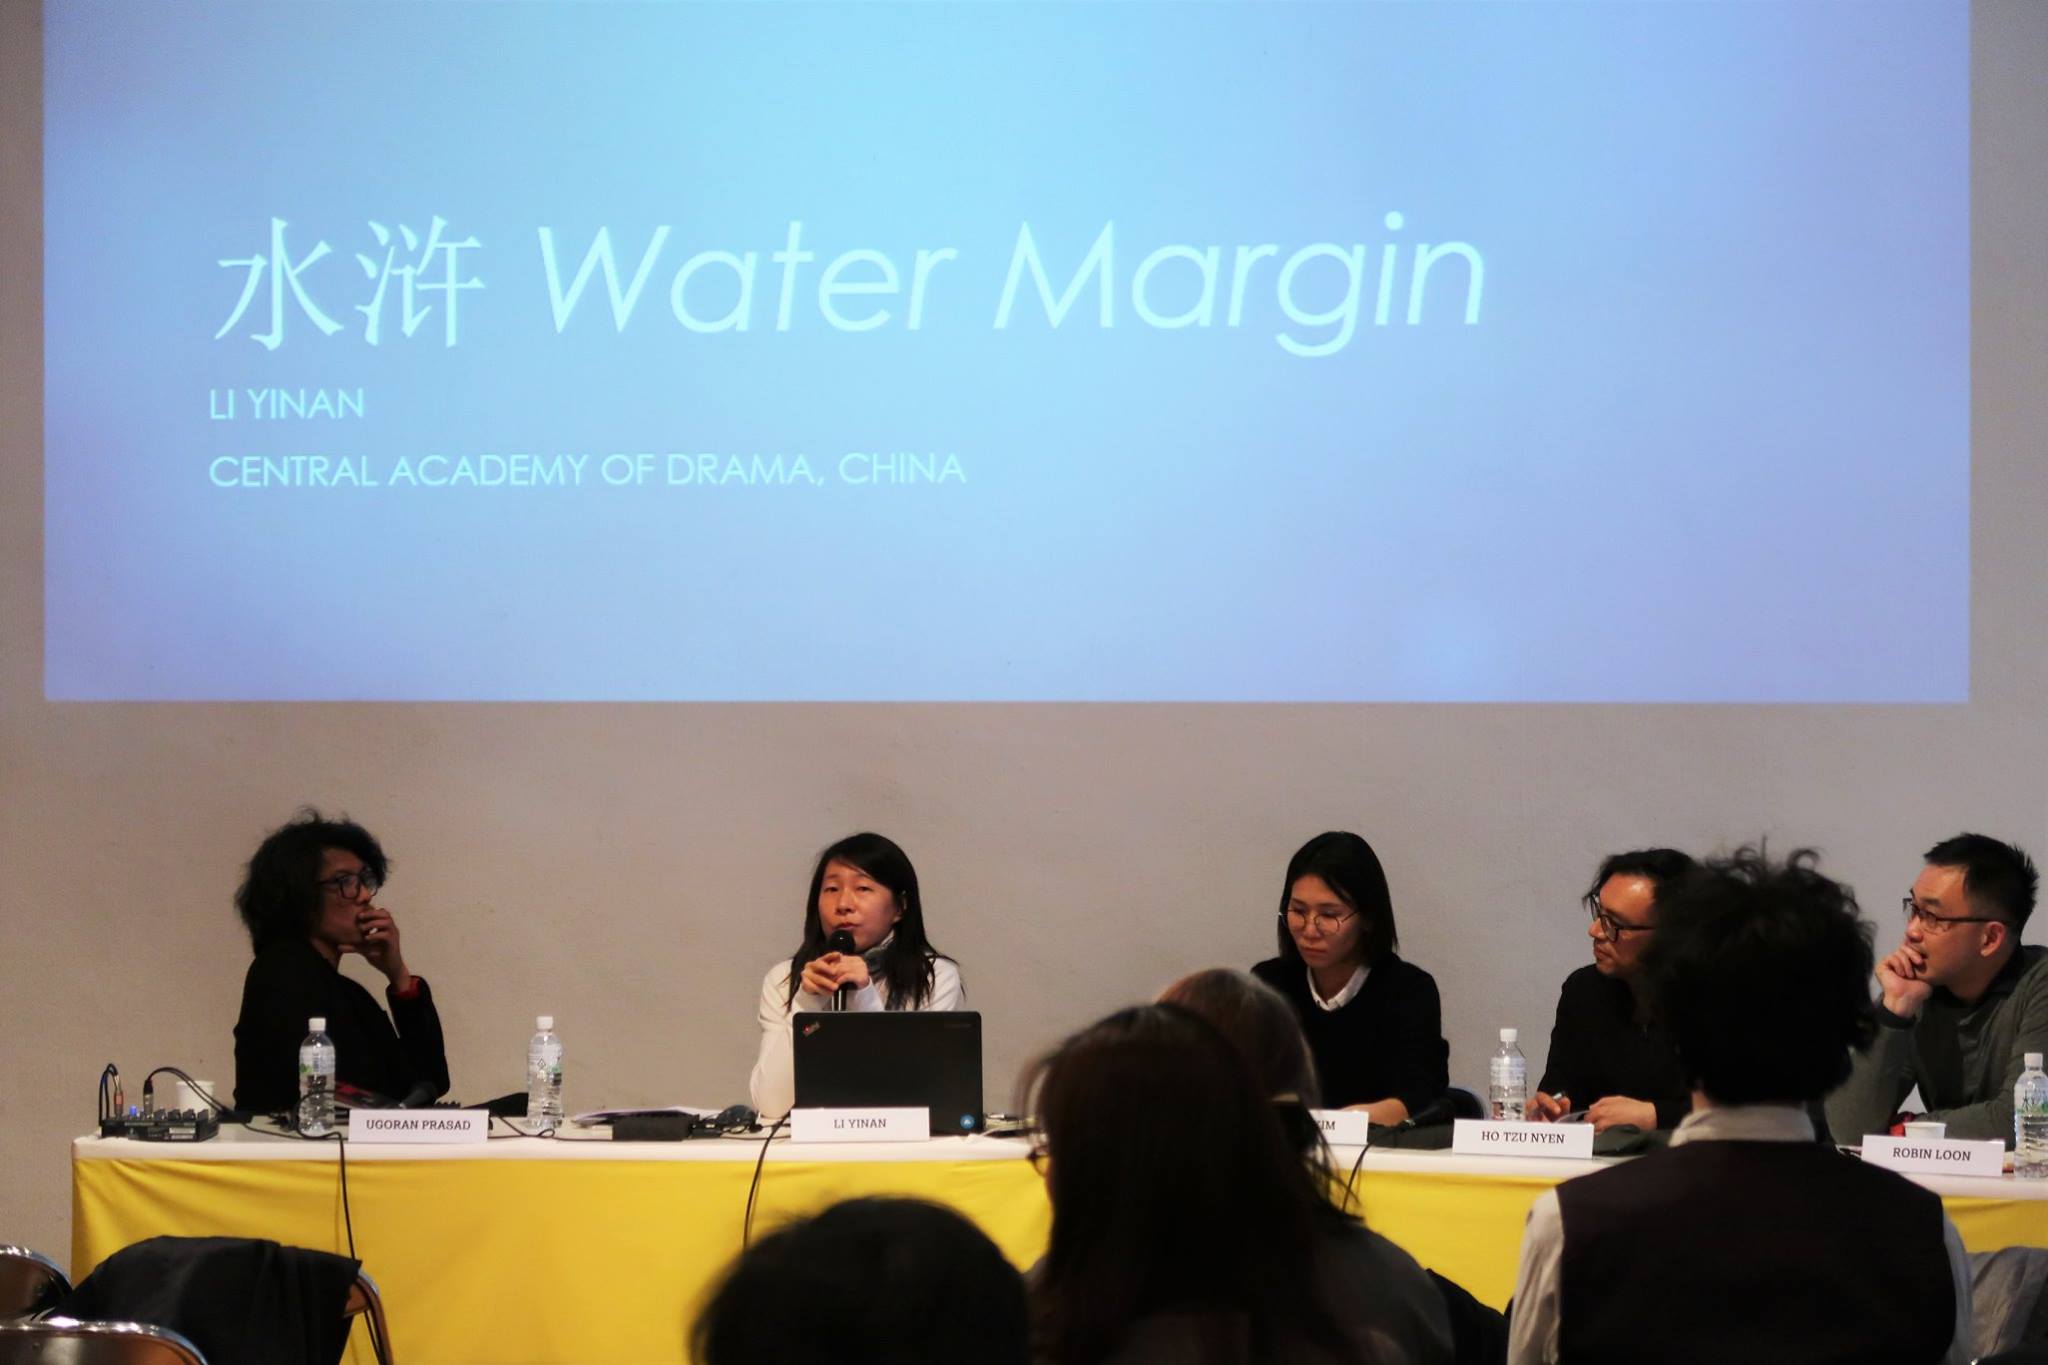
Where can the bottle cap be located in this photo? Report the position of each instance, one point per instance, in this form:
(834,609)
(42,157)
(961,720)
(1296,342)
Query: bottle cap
(1508,1035)
(2033,1060)
(316,1025)
(545,1023)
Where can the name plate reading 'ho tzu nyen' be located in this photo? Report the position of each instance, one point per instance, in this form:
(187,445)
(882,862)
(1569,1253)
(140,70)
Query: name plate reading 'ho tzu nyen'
(1501,1137)
(860,1125)
(1936,1156)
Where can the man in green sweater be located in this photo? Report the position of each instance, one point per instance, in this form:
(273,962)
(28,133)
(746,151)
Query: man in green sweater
(1961,999)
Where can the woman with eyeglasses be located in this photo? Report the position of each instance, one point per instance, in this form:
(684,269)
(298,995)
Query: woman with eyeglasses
(1608,1059)
(309,900)
(1185,1225)
(1374,1022)
(863,887)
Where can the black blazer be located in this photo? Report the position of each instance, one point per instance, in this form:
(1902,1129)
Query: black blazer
(1386,1043)
(288,983)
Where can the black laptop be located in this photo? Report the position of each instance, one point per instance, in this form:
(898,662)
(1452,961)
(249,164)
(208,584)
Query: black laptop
(892,1058)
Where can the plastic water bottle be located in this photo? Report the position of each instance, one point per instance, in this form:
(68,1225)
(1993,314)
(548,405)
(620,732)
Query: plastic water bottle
(2030,1122)
(544,1077)
(1508,1079)
(316,1080)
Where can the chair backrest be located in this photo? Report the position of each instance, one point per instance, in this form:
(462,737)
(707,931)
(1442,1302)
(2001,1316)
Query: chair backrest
(364,1301)
(29,1282)
(66,1341)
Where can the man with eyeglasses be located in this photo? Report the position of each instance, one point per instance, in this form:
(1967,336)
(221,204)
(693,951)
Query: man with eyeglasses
(1607,1058)
(1746,1239)
(1961,1000)
(308,900)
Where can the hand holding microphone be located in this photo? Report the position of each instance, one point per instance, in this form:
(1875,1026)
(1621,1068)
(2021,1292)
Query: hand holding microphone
(841,943)
(837,972)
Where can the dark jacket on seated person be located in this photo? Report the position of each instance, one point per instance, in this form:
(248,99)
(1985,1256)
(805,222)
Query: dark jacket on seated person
(1387,1308)
(1384,1043)
(1599,1048)
(239,1300)
(288,983)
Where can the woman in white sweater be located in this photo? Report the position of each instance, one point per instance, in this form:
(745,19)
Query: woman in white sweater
(864,886)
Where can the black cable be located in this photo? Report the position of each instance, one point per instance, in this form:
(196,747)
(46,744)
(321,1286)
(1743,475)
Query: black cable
(347,1219)
(218,1107)
(753,1189)
(1352,1179)
(349,1223)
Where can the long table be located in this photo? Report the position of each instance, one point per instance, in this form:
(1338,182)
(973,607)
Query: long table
(581,1249)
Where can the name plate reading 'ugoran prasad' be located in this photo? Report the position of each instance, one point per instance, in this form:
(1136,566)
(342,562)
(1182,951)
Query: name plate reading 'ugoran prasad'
(860,1125)
(1342,1127)
(1936,1156)
(1501,1137)
(440,1126)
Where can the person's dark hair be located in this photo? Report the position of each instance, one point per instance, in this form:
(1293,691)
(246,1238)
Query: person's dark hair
(1266,1031)
(906,964)
(1664,867)
(279,897)
(1174,1189)
(1760,972)
(1349,867)
(1999,878)
(868,1282)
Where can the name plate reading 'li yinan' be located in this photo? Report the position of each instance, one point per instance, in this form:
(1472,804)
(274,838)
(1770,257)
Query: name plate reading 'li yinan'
(860,1125)
(1342,1127)
(1501,1137)
(1936,1156)
(440,1126)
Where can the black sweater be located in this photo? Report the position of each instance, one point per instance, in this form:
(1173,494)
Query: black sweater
(1598,1048)
(1386,1043)
(288,983)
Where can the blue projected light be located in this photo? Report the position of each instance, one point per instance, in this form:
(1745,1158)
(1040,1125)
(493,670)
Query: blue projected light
(1282,352)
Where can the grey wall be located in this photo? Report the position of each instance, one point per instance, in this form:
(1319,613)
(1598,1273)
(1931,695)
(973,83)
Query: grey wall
(634,868)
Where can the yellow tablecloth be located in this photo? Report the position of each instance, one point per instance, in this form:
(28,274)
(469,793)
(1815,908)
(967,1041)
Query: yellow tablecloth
(571,1252)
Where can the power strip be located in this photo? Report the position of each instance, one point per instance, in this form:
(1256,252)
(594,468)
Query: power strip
(163,1125)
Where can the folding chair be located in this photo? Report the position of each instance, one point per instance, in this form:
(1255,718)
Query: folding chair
(66,1341)
(29,1282)
(365,1301)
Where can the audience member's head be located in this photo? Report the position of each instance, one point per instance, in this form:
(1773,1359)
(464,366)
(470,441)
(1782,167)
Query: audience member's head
(1175,1190)
(868,1282)
(1761,973)
(1264,1029)
(1334,906)
(282,895)
(1623,904)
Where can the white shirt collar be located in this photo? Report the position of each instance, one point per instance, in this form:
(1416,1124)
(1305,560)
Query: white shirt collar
(1745,1123)
(1342,997)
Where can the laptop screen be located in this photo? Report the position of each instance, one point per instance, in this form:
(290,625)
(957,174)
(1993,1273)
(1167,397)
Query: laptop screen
(929,1060)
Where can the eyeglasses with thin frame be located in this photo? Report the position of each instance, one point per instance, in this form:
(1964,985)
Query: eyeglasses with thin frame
(1936,924)
(1327,921)
(1612,926)
(351,885)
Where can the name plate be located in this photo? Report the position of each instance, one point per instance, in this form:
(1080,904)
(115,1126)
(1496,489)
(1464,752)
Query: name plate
(1502,1137)
(1936,1156)
(443,1126)
(860,1125)
(1342,1127)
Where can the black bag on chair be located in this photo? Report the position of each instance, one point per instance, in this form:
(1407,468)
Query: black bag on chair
(239,1300)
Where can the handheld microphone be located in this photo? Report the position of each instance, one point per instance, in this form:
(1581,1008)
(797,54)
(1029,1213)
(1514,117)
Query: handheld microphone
(841,942)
